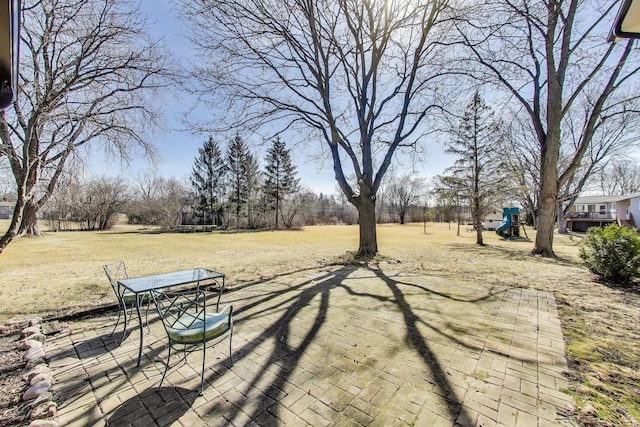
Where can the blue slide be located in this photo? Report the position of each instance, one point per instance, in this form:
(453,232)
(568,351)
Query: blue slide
(504,230)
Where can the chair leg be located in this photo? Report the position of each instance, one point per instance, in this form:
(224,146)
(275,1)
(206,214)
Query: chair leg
(122,311)
(126,323)
(204,358)
(166,367)
(117,321)
(230,354)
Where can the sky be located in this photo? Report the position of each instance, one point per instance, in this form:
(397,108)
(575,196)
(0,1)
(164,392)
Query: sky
(178,148)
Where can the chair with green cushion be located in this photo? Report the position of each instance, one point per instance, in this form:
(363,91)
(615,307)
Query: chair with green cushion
(190,322)
(126,299)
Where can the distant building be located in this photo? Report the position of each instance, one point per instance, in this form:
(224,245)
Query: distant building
(493,219)
(6,209)
(599,211)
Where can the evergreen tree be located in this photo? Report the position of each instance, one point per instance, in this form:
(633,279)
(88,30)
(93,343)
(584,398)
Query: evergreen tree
(242,177)
(207,179)
(478,169)
(280,176)
(254,190)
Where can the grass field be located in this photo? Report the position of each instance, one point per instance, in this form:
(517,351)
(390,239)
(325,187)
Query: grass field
(62,272)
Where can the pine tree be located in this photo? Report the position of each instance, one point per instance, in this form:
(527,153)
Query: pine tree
(207,179)
(478,168)
(280,176)
(242,177)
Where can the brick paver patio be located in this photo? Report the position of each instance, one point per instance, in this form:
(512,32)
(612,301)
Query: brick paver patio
(332,346)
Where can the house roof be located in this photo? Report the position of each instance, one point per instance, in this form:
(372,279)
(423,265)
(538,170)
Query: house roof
(603,199)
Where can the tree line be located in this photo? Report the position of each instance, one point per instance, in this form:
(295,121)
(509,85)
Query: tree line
(368,79)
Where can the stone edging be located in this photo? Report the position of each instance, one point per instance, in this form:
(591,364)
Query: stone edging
(37,376)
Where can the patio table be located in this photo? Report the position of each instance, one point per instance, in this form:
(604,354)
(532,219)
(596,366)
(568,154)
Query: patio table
(144,284)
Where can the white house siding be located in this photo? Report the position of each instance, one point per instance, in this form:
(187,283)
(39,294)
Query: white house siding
(622,207)
(492,220)
(634,208)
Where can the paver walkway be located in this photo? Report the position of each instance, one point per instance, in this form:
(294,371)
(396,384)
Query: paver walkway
(332,346)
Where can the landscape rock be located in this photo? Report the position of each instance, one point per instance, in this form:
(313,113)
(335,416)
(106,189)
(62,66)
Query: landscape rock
(38,337)
(31,330)
(44,410)
(43,423)
(40,377)
(15,322)
(34,321)
(29,344)
(34,353)
(36,390)
(39,369)
(5,330)
(35,362)
(44,397)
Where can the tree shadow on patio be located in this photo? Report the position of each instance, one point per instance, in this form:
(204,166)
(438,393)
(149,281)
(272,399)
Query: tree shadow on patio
(343,343)
(292,332)
(162,406)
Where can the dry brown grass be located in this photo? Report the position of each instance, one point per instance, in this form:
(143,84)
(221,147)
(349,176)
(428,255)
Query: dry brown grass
(63,271)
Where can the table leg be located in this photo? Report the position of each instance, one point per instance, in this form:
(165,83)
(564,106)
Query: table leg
(220,291)
(141,328)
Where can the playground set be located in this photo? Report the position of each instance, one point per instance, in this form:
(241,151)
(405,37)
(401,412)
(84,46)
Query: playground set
(510,227)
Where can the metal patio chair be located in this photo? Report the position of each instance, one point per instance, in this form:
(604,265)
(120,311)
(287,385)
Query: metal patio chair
(126,299)
(189,324)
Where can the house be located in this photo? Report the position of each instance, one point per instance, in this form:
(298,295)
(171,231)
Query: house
(493,219)
(6,209)
(600,211)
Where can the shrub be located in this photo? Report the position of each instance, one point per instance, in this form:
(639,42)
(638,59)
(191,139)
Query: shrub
(612,253)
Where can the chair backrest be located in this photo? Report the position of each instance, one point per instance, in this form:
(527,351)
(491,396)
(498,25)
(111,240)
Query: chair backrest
(187,318)
(115,272)
(180,309)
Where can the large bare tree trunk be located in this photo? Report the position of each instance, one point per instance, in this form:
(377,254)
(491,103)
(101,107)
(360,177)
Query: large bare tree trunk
(561,218)
(366,205)
(546,223)
(363,75)
(547,213)
(571,85)
(477,221)
(92,65)
(29,225)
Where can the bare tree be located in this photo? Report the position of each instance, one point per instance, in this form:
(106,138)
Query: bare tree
(105,198)
(402,192)
(449,195)
(551,59)
(361,74)
(610,140)
(293,206)
(157,201)
(522,162)
(620,177)
(87,204)
(88,71)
